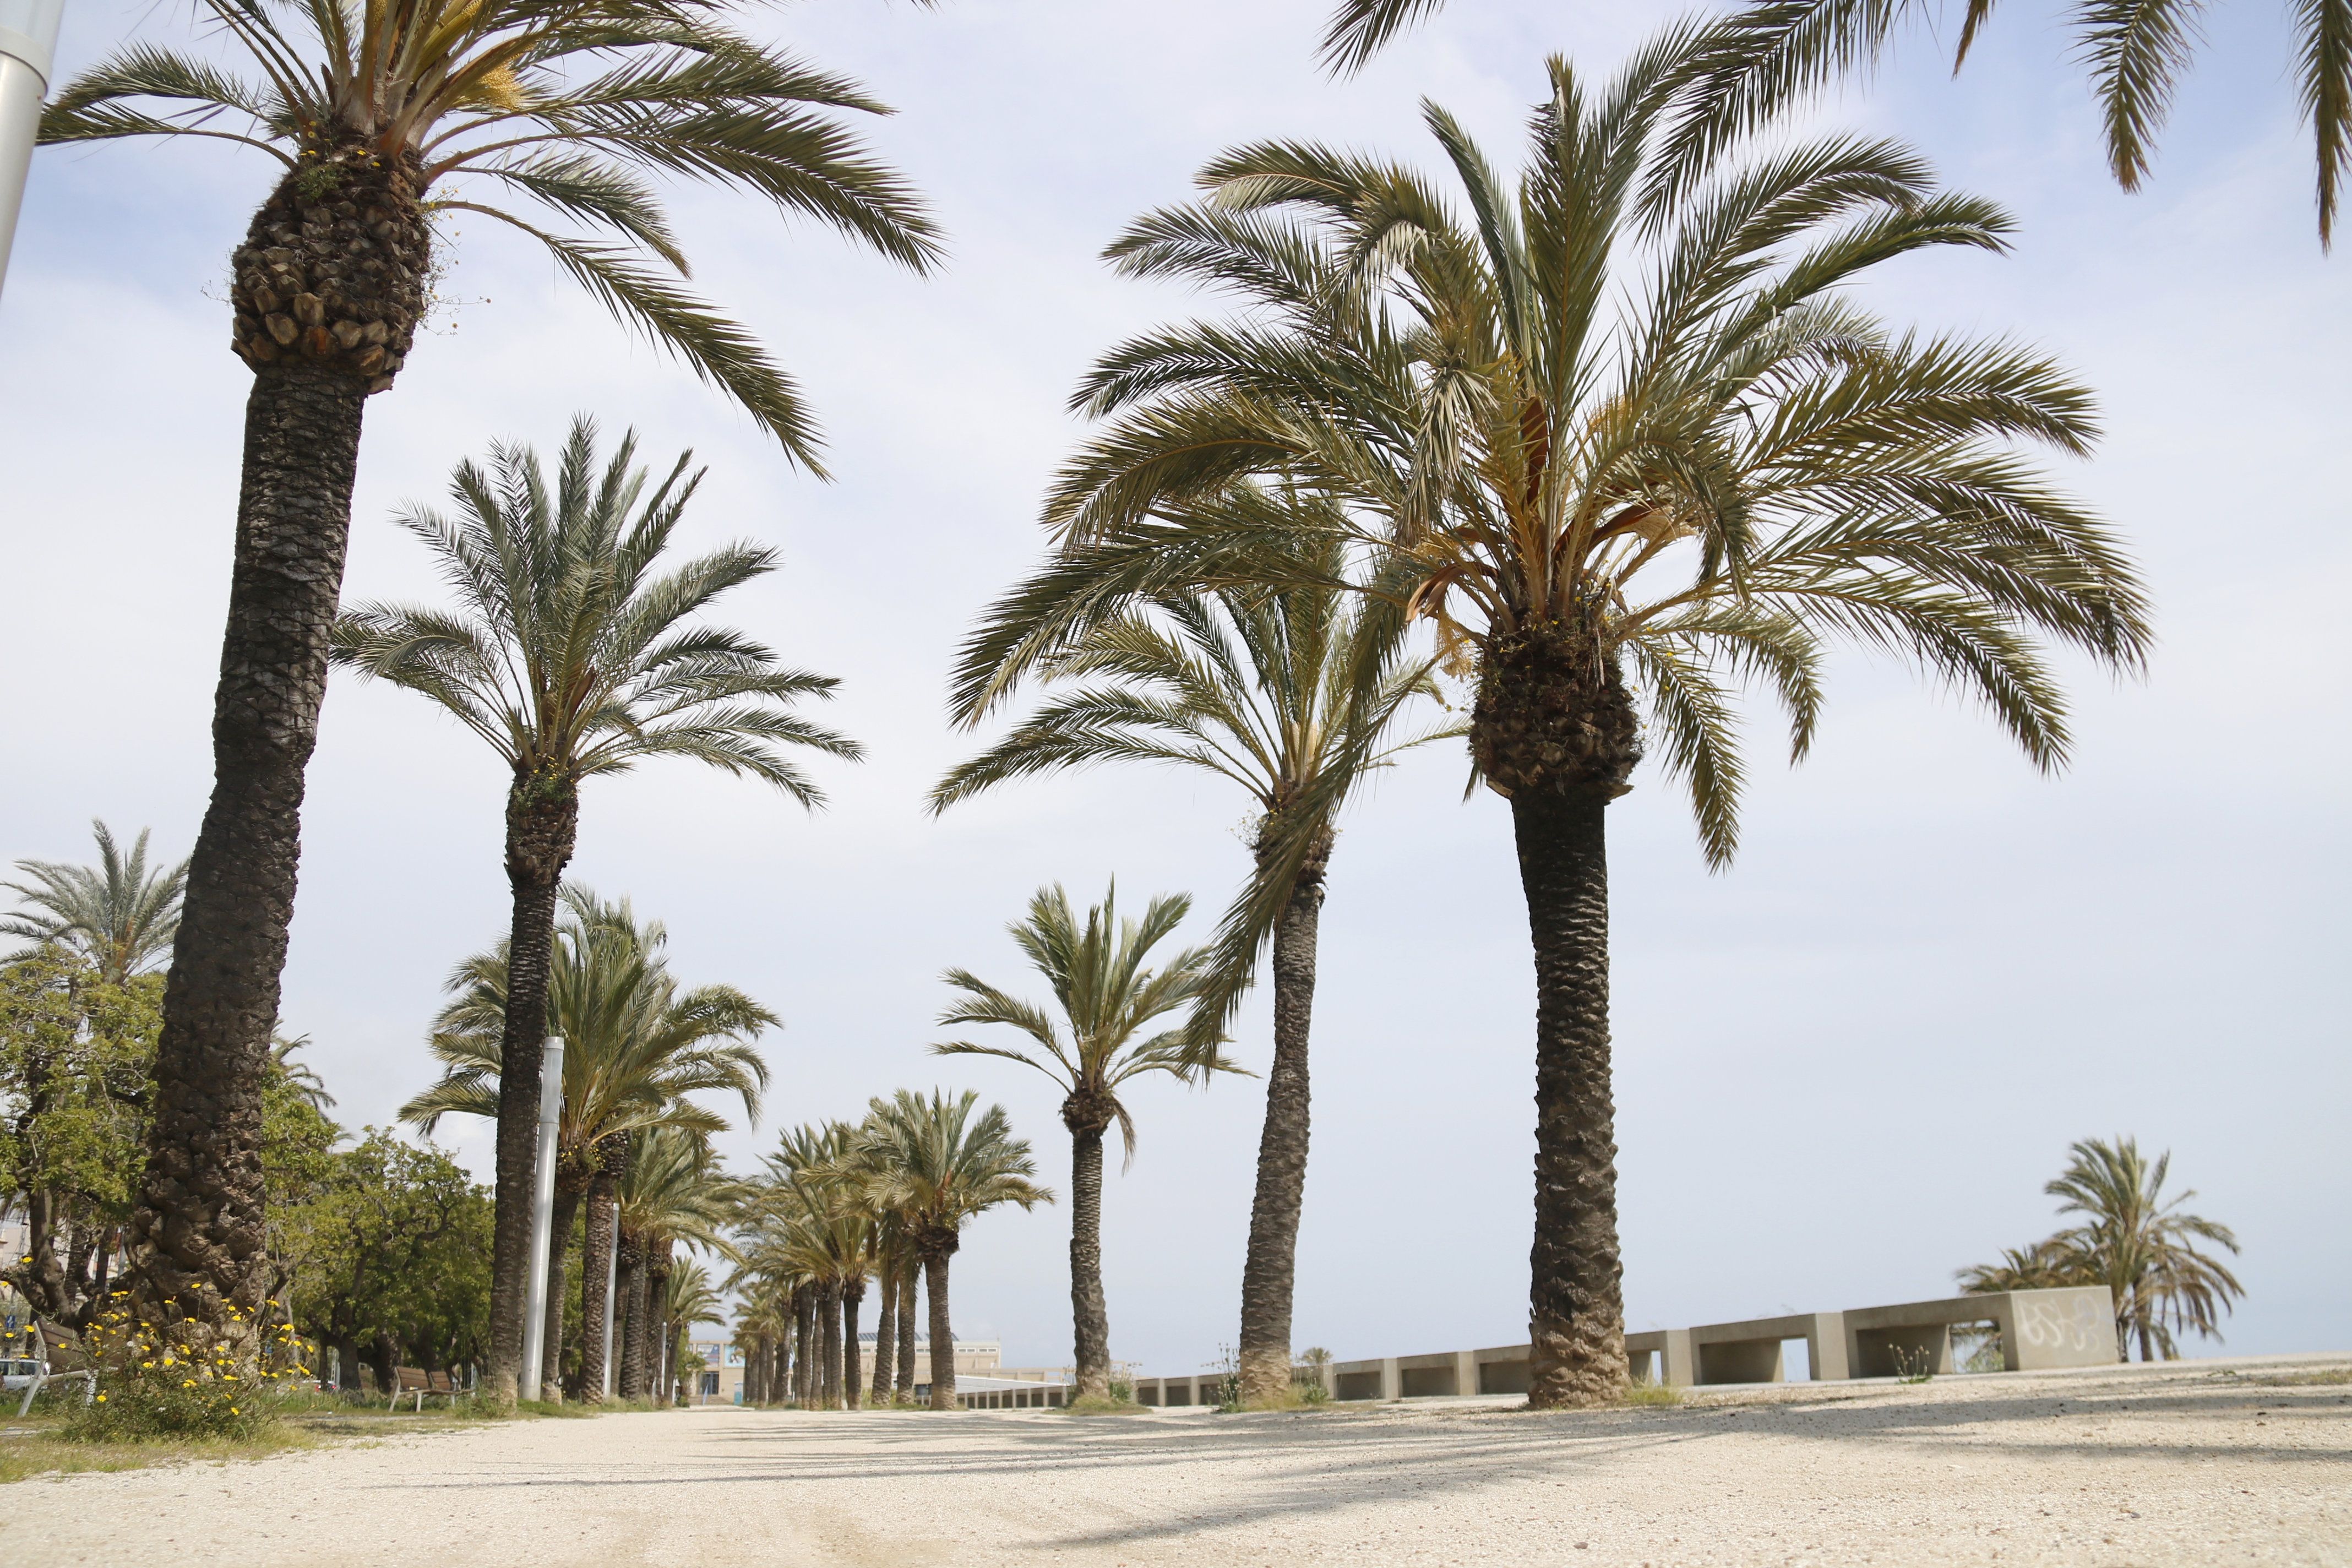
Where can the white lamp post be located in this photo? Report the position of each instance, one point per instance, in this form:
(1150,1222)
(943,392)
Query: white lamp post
(543,1216)
(28,46)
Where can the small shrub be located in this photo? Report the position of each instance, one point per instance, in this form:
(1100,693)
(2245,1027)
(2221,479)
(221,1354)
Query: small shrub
(156,1381)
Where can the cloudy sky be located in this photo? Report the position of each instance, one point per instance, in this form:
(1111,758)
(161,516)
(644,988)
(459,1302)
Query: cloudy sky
(1845,1066)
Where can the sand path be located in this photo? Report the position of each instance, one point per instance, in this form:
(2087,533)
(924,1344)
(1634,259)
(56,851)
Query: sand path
(2196,1463)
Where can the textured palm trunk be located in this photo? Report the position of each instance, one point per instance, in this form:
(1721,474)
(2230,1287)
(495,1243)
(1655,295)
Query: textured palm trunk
(853,1359)
(596,1260)
(886,1333)
(938,1248)
(804,1386)
(1554,729)
(828,1307)
(909,1279)
(325,292)
(635,1341)
(571,1190)
(1089,1313)
(542,823)
(1269,1271)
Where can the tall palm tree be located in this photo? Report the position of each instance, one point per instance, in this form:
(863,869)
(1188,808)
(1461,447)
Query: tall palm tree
(815,1224)
(637,1045)
(118,915)
(686,1298)
(2136,53)
(1623,437)
(933,1159)
(572,656)
(2139,1244)
(1108,998)
(1296,696)
(381,116)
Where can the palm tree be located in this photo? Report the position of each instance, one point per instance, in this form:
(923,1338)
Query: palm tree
(674,1194)
(1295,696)
(1108,999)
(2140,1246)
(1611,481)
(637,1045)
(686,1298)
(2044,1266)
(571,657)
(1774,50)
(117,915)
(815,1224)
(382,117)
(935,1161)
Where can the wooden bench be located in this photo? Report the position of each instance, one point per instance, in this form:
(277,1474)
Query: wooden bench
(416,1380)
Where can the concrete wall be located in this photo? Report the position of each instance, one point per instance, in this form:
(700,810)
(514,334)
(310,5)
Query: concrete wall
(2039,1330)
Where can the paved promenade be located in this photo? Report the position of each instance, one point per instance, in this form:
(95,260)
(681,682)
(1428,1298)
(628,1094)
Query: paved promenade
(2203,1463)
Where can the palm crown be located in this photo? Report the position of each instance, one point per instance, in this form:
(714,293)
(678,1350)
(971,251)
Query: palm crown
(637,1043)
(569,104)
(1709,480)
(932,1159)
(1773,49)
(1107,996)
(1295,696)
(568,653)
(118,914)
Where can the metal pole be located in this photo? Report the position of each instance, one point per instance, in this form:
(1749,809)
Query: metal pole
(28,46)
(542,1215)
(612,1274)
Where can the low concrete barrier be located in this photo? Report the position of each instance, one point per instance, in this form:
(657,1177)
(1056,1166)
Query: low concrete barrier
(2039,1330)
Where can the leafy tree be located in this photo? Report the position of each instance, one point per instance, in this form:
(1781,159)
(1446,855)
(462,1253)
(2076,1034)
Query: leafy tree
(1775,50)
(118,915)
(933,1159)
(388,1258)
(2135,1241)
(1296,696)
(636,1047)
(1108,999)
(381,119)
(77,1051)
(1623,437)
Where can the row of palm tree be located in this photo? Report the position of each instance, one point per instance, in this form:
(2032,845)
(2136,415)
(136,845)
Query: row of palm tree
(1615,430)
(1619,433)
(884,1200)
(631,1146)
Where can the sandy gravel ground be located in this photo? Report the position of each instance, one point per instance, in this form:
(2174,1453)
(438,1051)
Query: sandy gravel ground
(2205,1463)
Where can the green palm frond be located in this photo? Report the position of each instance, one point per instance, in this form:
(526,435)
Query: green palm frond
(571,106)
(119,915)
(570,651)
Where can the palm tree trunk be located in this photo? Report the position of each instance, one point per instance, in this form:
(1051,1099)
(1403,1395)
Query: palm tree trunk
(1576,1316)
(198,1241)
(636,1342)
(886,1333)
(570,1188)
(853,1359)
(1554,731)
(542,822)
(803,1346)
(1269,1271)
(908,1281)
(1089,1313)
(934,1268)
(829,1324)
(595,1261)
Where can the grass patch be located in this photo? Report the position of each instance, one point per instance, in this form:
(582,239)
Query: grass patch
(1096,1405)
(34,1446)
(1653,1394)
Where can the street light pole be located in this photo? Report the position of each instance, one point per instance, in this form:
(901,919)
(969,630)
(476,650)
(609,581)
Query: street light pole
(28,48)
(542,1217)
